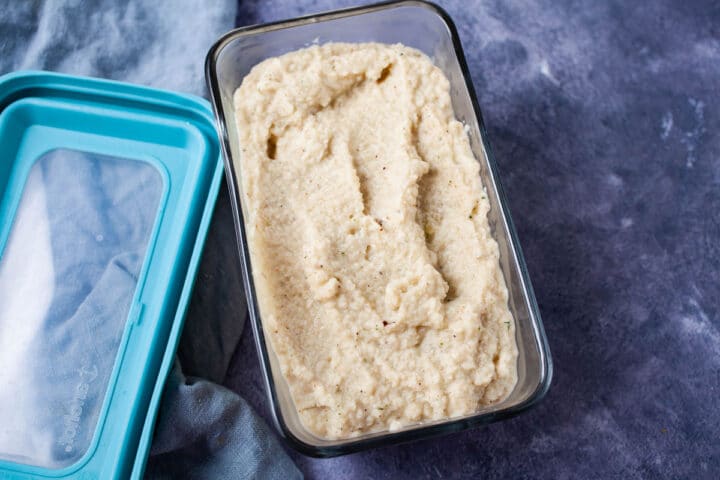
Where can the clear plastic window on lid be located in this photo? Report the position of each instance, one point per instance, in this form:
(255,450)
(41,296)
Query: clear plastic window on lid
(69,267)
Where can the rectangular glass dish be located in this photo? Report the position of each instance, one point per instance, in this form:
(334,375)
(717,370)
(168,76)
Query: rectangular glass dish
(429,29)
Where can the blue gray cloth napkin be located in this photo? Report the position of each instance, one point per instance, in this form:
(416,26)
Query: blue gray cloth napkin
(204,430)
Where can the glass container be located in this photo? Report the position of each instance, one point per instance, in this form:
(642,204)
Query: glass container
(428,28)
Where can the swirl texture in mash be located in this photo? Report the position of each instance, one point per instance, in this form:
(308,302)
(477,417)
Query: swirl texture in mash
(377,276)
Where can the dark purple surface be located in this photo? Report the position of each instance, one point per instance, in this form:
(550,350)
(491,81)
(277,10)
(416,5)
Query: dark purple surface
(605,121)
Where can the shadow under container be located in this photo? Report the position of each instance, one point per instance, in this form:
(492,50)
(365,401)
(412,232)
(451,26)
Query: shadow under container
(429,29)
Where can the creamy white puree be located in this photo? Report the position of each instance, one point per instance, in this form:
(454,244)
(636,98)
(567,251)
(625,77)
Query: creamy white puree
(377,277)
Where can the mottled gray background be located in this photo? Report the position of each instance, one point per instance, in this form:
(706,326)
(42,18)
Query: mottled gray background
(605,121)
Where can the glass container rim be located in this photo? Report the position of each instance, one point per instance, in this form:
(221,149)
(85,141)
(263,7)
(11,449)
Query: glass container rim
(419,431)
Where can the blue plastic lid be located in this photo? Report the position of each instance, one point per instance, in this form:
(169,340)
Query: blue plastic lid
(106,193)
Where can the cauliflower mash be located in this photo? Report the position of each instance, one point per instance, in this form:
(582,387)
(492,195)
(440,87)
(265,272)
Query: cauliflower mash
(376,273)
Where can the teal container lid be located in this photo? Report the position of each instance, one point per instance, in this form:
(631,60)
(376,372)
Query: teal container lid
(106,194)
